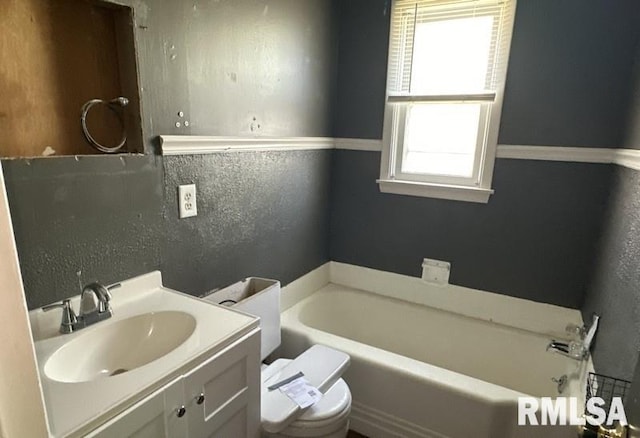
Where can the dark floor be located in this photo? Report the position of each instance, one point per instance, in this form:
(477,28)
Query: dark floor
(353,434)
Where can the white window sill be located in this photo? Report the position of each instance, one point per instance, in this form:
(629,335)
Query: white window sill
(440,191)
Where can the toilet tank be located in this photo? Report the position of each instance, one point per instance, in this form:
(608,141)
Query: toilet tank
(259,297)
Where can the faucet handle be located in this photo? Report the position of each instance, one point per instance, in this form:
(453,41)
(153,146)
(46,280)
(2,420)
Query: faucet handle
(576,330)
(68,315)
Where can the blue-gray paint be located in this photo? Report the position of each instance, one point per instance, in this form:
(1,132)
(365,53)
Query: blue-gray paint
(100,215)
(362,68)
(535,239)
(615,290)
(259,213)
(568,82)
(570,72)
(632,137)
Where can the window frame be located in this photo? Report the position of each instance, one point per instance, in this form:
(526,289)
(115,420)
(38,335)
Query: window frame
(476,188)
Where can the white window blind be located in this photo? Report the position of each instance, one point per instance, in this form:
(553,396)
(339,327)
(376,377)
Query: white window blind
(446,74)
(448,50)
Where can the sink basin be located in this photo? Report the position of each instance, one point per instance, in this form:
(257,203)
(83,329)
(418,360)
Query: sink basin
(119,347)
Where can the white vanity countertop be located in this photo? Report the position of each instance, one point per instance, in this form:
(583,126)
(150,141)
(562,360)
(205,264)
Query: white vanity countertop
(76,408)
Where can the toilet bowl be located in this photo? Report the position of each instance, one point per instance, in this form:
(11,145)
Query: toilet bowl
(328,418)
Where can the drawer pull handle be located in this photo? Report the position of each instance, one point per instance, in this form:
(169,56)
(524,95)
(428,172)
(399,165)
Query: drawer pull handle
(200,398)
(181,411)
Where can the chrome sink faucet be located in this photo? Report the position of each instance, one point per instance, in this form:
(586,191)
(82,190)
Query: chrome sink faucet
(578,350)
(95,303)
(95,306)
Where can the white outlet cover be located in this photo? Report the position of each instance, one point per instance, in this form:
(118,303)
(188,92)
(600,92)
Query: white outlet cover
(187,204)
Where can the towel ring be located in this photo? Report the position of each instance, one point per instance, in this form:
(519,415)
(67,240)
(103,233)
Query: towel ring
(113,105)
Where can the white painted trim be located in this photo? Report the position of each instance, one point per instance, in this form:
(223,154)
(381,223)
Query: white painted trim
(195,144)
(629,158)
(440,191)
(22,408)
(556,153)
(188,145)
(358,144)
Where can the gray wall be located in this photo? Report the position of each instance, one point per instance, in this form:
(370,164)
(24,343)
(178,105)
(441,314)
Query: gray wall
(534,240)
(632,138)
(242,67)
(362,67)
(569,75)
(615,291)
(259,213)
(570,72)
(259,67)
(100,215)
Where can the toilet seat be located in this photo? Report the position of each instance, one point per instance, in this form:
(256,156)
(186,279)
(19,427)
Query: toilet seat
(325,417)
(328,417)
(321,366)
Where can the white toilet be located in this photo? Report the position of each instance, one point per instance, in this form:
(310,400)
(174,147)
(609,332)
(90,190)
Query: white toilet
(322,366)
(328,418)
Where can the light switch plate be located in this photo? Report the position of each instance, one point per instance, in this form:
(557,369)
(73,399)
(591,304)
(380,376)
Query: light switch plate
(187,201)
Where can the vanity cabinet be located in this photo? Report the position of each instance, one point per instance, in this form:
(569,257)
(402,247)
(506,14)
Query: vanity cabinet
(218,398)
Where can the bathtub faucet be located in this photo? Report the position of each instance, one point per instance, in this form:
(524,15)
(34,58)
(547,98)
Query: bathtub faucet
(578,350)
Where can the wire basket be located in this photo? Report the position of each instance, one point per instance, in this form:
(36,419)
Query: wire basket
(605,387)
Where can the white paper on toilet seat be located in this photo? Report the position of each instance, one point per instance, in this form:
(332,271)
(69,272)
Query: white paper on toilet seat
(301,392)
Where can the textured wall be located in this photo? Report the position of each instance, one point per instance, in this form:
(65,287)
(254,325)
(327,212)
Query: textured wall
(570,72)
(259,213)
(614,293)
(534,240)
(234,68)
(101,215)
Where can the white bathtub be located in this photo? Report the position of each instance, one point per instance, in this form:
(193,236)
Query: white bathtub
(418,371)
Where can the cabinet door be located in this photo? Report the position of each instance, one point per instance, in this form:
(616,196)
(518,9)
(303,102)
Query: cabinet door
(155,416)
(223,394)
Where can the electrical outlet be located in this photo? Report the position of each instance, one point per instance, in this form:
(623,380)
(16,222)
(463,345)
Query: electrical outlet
(187,201)
(436,271)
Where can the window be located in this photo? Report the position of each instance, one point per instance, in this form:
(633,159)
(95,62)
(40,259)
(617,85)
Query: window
(447,68)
